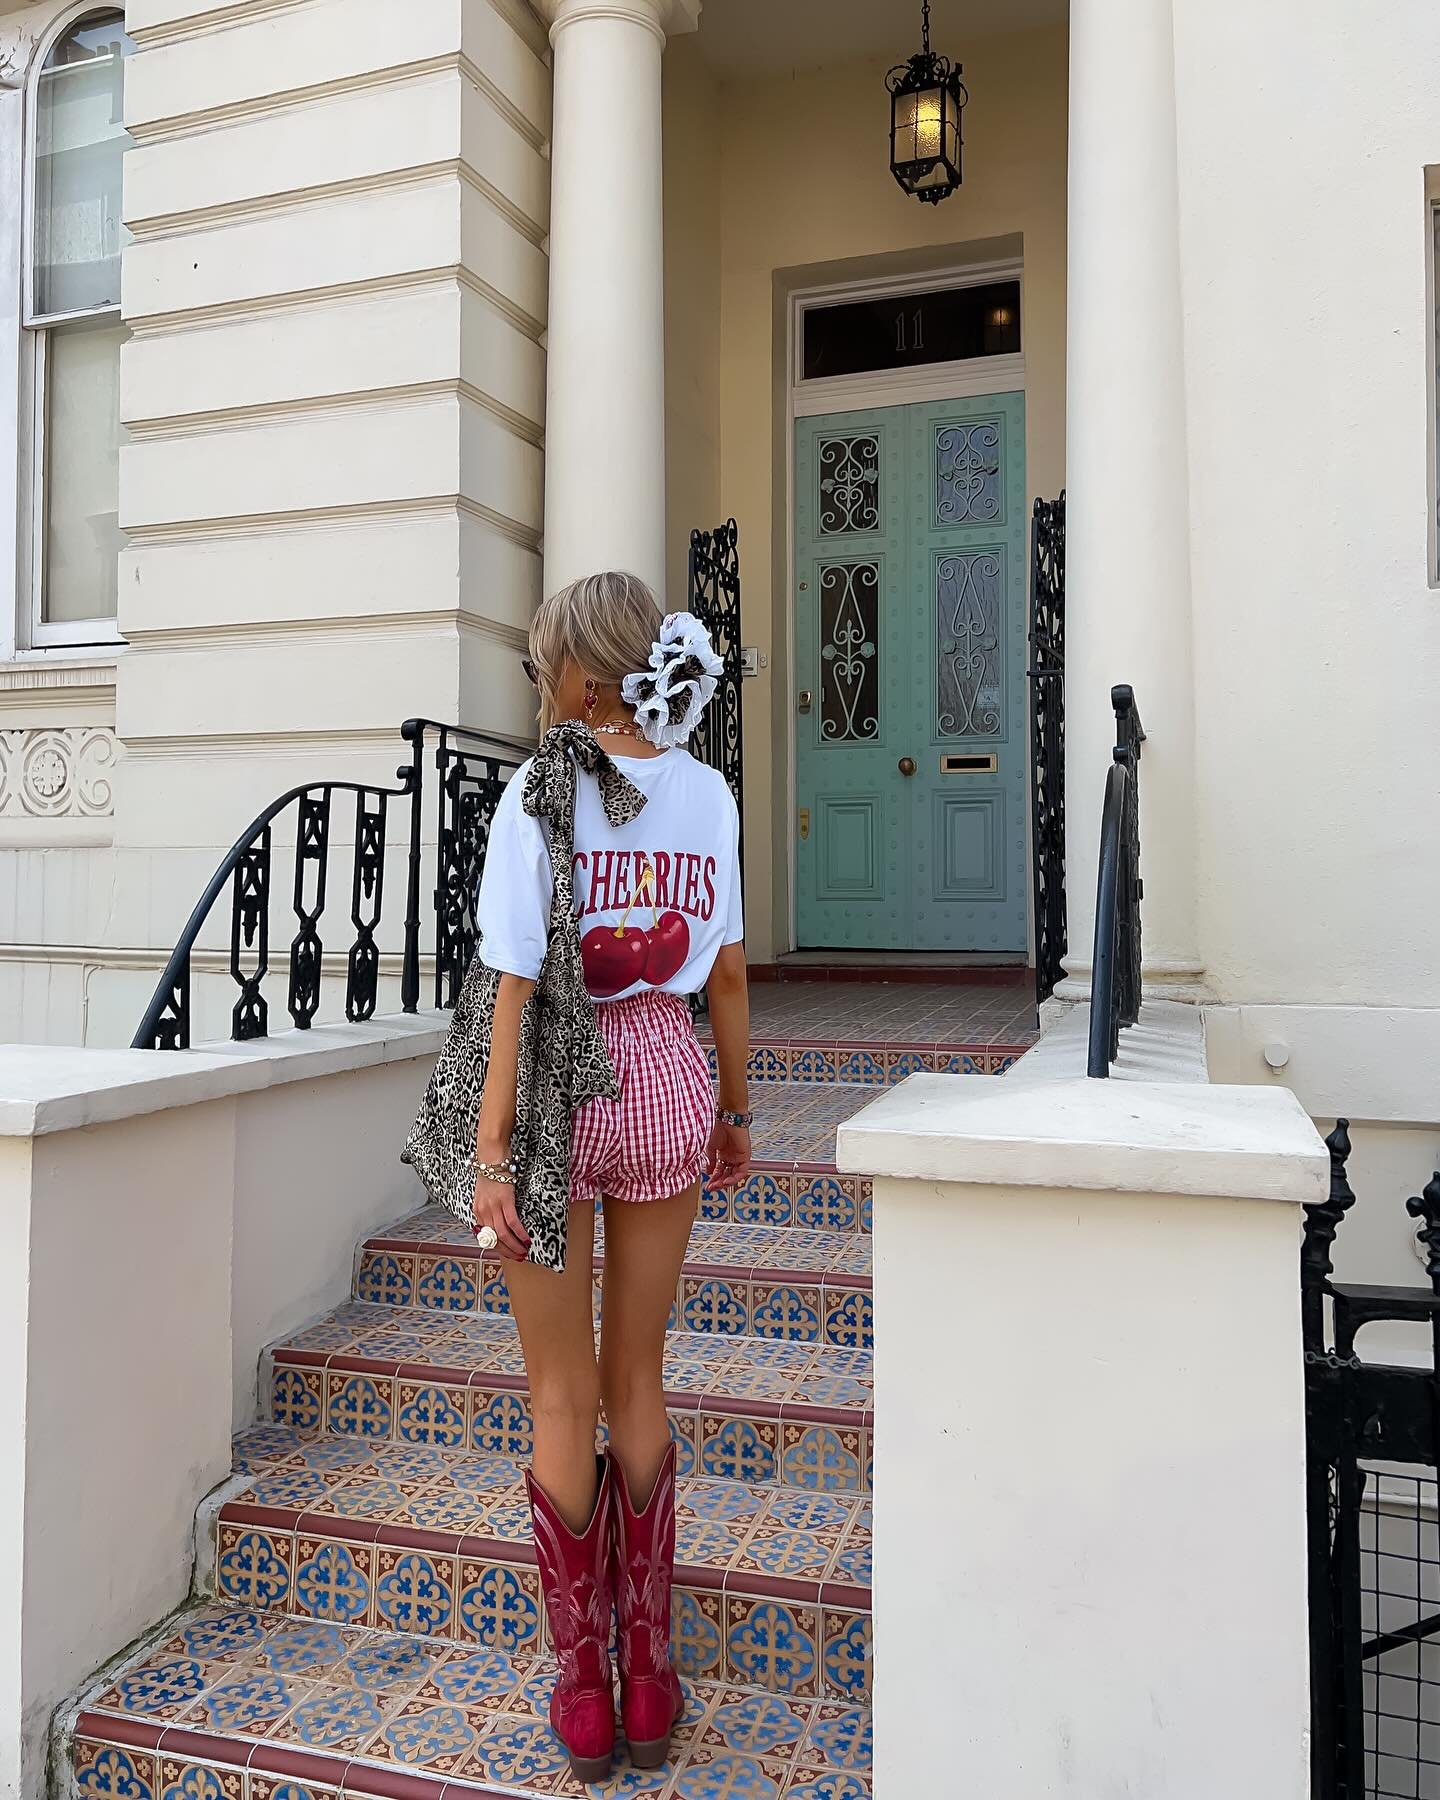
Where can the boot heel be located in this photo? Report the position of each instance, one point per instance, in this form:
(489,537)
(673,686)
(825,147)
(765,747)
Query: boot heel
(652,1755)
(586,1769)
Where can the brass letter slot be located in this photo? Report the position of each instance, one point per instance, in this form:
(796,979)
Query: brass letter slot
(970,765)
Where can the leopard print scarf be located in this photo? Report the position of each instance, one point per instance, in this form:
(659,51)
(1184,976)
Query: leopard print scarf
(562,1060)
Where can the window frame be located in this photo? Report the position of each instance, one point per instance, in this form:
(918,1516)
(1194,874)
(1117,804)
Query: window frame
(1432,371)
(34,632)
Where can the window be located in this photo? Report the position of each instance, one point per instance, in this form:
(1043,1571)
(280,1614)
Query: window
(1432,262)
(77,141)
(900,331)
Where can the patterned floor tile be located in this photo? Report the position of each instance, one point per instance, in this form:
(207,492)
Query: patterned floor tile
(372,1701)
(863,1013)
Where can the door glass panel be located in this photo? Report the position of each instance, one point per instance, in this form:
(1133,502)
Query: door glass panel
(849,485)
(849,652)
(968,488)
(969,587)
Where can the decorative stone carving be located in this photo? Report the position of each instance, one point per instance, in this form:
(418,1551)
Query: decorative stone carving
(57,772)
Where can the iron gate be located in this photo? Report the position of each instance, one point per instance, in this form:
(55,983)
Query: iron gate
(1047,740)
(1373,1536)
(715,601)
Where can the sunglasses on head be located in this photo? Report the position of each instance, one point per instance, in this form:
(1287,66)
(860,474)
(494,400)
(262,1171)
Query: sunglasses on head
(530,672)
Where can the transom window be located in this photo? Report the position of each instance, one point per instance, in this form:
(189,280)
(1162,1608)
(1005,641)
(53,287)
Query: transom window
(904,331)
(76,141)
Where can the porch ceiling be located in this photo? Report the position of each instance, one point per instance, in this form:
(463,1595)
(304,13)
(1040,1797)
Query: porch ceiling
(745,38)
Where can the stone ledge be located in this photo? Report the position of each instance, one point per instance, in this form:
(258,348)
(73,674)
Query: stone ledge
(1166,1044)
(46,1088)
(1134,1137)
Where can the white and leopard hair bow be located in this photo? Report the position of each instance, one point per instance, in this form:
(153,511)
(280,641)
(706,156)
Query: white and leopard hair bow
(671,694)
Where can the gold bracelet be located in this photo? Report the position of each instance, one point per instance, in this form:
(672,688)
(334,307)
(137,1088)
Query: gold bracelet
(503,1172)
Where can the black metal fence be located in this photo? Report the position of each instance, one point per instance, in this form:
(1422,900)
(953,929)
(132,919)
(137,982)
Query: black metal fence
(469,771)
(1372,1442)
(714,599)
(1115,974)
(1047,740)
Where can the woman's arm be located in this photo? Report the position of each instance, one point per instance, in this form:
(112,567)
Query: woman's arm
(495,1200)
(728,991)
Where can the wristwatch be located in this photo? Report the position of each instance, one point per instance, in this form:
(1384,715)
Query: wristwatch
(742,1120)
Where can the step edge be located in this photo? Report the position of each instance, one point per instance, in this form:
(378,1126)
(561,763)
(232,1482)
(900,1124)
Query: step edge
(698,1577)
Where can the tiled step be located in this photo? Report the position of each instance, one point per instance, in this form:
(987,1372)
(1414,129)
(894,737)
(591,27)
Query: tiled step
(738,1280)
(236,1705)
(741,1408)
(772,1584)
(804,1061)
(806,1194)
(874,1034)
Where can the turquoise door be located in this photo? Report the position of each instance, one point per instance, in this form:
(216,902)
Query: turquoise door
(910,678)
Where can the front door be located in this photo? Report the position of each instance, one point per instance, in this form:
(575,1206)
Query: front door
(910,680)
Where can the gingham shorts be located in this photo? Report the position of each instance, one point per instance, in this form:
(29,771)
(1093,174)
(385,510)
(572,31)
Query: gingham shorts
(651,1142)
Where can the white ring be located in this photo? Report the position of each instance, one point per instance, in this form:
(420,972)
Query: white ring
(487,1237)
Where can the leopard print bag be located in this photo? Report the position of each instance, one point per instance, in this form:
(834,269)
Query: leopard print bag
(562,1059)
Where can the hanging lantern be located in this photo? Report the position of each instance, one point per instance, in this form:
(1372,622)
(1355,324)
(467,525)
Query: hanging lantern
(927,97)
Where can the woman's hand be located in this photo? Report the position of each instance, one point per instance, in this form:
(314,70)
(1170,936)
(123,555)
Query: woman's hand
(727,1161)
(495,1207)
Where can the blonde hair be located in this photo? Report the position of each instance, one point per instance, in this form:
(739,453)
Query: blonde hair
(606,624)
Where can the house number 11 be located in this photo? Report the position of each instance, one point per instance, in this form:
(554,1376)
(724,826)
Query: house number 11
(914,338)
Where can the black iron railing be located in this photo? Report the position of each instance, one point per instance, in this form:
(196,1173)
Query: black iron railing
(1115,973)
(1047,740)
(714,599)
(470,770)
(1372,1444)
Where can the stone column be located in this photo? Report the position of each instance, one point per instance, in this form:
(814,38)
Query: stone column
(1128,551)
(605,404)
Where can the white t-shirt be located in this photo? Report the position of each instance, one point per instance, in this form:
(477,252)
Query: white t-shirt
(657,897)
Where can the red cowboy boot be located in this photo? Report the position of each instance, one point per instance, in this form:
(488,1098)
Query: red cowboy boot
(651,1698)
(575,1579)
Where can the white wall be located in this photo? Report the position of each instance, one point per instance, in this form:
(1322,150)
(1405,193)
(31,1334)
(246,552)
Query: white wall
(162,1217)
(118,1307)
(334,395)
(1304,133)
(1089,1496)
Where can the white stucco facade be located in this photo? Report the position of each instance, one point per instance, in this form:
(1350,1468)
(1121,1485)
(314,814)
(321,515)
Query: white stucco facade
(417,329)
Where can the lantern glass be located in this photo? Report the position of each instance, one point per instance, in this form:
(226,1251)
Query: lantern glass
(925,141)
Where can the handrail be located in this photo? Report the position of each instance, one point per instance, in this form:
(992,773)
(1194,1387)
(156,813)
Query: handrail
(465,802)
(1115,968)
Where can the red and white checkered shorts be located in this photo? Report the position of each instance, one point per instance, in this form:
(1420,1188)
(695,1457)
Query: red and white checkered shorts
(651,1142)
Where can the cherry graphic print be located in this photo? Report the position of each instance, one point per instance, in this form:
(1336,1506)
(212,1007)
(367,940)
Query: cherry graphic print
(613,958)
(616,957)
(668,948)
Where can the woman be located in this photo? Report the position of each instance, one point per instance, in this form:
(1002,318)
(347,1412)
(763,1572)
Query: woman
(658,897)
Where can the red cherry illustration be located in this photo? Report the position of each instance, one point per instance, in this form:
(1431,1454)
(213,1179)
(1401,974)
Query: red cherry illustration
(669,946)
(612,959)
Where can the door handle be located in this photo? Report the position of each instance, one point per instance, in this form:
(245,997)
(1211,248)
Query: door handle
(803,701)
(907,765)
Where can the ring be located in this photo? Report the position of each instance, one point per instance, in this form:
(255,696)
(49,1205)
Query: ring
(487,1237)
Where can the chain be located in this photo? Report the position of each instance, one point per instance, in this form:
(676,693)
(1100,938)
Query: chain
(925,26)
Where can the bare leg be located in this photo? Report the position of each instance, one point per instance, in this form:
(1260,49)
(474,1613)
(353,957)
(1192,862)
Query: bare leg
(557,1334)
(645,1246)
